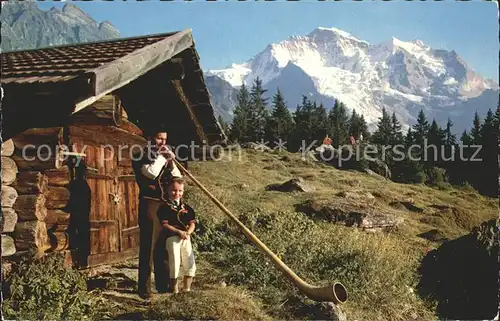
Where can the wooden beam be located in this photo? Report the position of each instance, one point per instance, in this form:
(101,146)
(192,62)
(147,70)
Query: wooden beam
(200,104)
(174,68)
(9,219)
(9,170)
(9,196)
(137,63)
(79,85)
(180,92)
(31,207)
(8,247)
(31,234)
(8,148)
(120,72)
(89,101)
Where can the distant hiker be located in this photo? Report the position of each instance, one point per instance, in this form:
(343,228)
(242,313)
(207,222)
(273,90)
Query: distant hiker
(352,140)
(327,140)
(325,146)
(178,221)
(154,165)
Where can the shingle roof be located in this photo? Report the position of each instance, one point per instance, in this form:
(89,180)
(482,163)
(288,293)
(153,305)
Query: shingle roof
(62,63)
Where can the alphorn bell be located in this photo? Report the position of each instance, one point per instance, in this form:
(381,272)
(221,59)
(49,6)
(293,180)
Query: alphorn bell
(335,293)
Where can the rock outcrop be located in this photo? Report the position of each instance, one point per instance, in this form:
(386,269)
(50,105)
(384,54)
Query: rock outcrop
(351,209)
(293,185)
(462,275)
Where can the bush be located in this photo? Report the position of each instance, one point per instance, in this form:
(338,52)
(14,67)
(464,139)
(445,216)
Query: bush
(436,176)
(418,178)
(409,172)
(467,187)
(44,289)
(443,186)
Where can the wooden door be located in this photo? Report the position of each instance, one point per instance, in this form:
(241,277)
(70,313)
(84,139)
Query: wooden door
(128,209)
(114,228)
(101,174)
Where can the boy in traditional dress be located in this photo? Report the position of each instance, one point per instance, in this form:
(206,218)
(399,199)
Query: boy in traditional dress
(178,221)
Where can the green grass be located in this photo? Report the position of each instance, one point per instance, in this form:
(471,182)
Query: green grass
(378,269)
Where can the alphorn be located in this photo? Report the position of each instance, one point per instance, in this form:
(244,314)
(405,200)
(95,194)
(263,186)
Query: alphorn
(336,292)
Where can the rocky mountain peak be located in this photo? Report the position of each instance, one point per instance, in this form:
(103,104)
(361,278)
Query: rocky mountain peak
(67,26)
(77,14)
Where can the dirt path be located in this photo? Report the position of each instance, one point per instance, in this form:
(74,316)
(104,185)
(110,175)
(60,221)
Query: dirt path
(117,284)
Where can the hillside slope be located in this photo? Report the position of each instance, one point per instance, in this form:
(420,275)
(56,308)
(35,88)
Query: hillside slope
(379,268)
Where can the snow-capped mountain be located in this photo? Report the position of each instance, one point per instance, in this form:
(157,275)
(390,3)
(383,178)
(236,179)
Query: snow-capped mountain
(403,76)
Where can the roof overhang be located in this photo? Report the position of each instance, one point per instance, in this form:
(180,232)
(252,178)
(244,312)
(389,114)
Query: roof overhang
(116,74)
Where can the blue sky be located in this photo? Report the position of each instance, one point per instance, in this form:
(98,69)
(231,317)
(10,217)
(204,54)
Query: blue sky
(230,31)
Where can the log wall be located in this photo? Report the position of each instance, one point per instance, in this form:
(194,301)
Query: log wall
(26,190)
(36,183)
(9,198)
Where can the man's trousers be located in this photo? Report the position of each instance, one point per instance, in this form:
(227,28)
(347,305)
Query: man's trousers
(151,248)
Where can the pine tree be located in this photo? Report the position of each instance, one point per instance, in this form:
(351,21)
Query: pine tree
(462,172)
(496,119)
(259,113)
(319,122)
(363,128)
(449,138)
(421,128)
(419,134)
(357,126)
(465,138)
(408,139)
(383,134)
(303,123)
(449,160)
(281,122)
(435,139)
(338,123)
(343,121)
(307,118)
(396,134)
(469,167)
(240,128)
(488,169)
(408,170)
(475,132)
(354,124)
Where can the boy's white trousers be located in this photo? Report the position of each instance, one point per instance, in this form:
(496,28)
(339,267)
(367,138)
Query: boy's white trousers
(180,250)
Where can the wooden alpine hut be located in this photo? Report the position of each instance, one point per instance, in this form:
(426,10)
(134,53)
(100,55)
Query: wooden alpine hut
(90,104)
